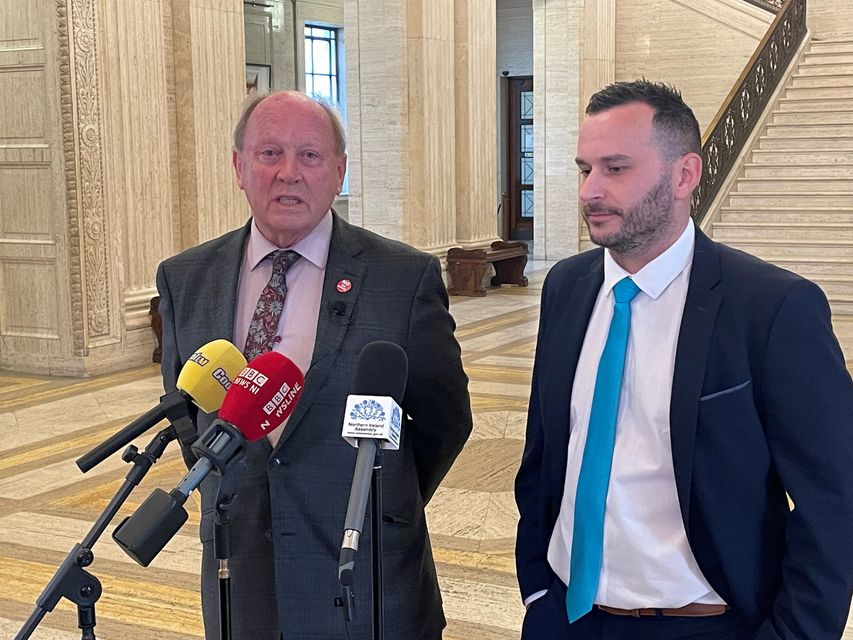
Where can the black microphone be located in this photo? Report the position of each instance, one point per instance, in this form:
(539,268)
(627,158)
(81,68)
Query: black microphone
(373,418)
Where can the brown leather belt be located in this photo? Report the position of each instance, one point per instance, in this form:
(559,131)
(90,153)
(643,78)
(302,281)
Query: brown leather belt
(693,610)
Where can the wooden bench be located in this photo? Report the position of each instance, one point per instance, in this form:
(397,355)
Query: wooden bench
(467,267)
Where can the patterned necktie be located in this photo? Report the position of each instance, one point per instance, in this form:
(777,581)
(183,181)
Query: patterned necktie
(594,478)
(264,326)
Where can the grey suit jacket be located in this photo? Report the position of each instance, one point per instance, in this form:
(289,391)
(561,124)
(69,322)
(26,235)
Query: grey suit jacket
(292,500)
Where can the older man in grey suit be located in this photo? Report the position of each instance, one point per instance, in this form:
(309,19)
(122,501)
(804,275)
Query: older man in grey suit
(345,287)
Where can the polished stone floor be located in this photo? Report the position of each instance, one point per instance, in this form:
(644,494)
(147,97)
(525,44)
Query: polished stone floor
(47,505)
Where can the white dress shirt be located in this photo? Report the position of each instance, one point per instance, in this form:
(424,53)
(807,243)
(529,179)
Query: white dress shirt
(297,327)
(646,560)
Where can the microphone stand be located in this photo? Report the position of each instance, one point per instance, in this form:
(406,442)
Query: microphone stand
(376,546)
(346,565)
(225,497)
(71,580)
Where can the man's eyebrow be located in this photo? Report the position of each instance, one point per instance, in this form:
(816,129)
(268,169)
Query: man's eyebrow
(616,157)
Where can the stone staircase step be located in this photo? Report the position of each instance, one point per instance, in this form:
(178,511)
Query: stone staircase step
(774,215)
(840,80)
(777,250)
(824,70)
(834,45)
(785,169)
(802,156)
(824,142)
(823,268)
(808,130)
(821,80)
(813,104)
(820,93)
(736,232)
(815,185)
(838,57)
(796,200)
(816,117)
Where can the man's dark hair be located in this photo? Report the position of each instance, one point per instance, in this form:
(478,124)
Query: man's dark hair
(675,126)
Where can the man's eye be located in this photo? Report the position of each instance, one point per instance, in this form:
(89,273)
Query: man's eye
(267,153)
(583,172)
(311,155)
(615,169)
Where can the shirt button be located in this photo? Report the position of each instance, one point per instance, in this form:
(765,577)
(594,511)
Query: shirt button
(275,463)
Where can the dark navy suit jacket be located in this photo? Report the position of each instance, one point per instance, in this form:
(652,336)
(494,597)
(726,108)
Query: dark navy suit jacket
(761,405)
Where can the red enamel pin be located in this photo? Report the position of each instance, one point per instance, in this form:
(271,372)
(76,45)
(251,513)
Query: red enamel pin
(344,285)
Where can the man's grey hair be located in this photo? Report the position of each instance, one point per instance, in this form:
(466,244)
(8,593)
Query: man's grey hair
(255,98)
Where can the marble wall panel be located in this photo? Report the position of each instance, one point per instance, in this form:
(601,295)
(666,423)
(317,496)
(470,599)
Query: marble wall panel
(29,308)
(27,200)
(20,20)
(700,52)
(830,18)
(22,118)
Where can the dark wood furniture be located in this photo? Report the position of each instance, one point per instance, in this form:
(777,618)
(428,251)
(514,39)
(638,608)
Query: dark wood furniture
(467,267)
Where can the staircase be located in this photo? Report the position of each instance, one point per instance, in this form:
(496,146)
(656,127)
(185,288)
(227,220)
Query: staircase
(793,201)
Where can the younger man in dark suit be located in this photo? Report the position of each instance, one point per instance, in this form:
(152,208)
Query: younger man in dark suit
(680,390)
(345,287)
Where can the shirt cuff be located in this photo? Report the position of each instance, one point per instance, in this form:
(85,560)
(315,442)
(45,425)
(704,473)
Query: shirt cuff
(531,598)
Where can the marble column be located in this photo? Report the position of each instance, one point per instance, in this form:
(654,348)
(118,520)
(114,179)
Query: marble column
(476,144)
(557,29)
(419,151)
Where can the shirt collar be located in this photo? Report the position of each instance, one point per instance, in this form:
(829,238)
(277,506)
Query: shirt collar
(314,247)
(657,275)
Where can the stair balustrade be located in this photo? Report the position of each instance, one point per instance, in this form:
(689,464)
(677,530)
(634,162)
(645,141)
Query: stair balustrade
(725,138)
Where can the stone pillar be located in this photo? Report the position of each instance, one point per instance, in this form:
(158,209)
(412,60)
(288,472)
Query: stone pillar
(410,154)
(99,99)
(476,144)
(557,29)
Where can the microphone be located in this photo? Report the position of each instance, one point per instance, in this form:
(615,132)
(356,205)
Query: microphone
(372,421)
(203,380)
(260,398)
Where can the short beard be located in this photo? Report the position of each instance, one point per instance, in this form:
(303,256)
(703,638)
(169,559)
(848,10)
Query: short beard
(643,225)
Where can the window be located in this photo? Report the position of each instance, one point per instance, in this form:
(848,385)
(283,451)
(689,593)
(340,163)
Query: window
(321,63)
(324,73)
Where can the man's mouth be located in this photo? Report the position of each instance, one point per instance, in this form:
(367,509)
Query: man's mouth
(288,200)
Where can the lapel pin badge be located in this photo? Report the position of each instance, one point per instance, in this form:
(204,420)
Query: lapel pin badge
(344,285)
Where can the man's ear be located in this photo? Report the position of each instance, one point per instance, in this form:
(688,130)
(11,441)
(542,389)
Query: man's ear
(688,173)
(237,162)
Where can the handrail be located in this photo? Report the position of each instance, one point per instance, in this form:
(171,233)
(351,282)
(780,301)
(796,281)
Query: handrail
(774,6)
(725,137)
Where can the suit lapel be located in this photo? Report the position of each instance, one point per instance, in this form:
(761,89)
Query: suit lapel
(336,308)
(223,283)
(694,343)
(569,329)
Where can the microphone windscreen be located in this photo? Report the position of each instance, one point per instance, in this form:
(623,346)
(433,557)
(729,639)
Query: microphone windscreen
(381,370)
(263,395)
(208,373)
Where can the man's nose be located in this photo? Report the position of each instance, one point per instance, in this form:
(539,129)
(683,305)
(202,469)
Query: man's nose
(288,169)
(591,187)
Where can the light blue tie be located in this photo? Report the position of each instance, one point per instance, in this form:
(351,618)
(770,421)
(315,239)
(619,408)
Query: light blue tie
(594,478)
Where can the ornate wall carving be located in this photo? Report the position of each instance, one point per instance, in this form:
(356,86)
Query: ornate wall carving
(82,150)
